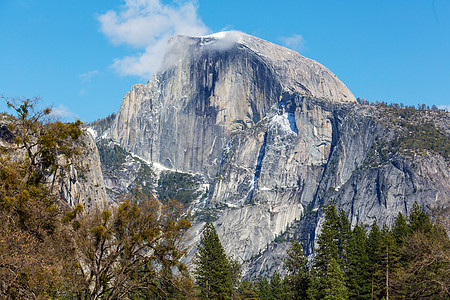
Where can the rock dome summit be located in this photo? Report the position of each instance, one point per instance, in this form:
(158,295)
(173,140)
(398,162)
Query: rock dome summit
(269,137)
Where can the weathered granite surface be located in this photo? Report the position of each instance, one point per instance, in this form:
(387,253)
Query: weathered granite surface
(278,136)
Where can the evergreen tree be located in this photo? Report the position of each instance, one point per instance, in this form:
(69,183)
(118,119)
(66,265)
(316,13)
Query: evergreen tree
(287,291)
(328,240)
(358,265)
(418,220)
(390,261)
(279,289)
(425,258)
(235,276)
(374,254)
(213,272)
(313,287)
(248,291)
(298,272)
(276,286)
(328,246)
(400,230)
(345,233)
(335,288)
(264,289)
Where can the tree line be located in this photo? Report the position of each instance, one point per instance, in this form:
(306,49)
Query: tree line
(411,260)
(134,250)
(49,250)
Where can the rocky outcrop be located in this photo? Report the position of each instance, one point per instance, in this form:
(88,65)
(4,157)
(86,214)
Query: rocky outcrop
(209,88)
(79,180)
(371,183)
(83,181)
(278,136)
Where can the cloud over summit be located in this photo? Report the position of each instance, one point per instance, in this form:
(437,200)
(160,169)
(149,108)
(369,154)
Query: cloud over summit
(295,42)
(147,25)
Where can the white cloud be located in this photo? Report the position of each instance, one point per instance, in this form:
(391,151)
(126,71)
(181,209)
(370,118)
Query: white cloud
(294,42)
(445,107)
(62,112)
(86,77)
(220,41)
(147,25)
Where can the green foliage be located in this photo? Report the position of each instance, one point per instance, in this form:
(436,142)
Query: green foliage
(41,140)
(49,252)
(416,130)
(110,245)
(101,125)
(264,289)
(345,233)
(236,275)
(335,288)
(375,263)
(113,157)
(358,265)
(400,230)
(182,187)
(298,271)
(248,291)
(390,263)
(314,285)
(213,272)
(409,261)
(33,243)
(145,179)
(111,154)
(328,241)
(418,220)
(208,215)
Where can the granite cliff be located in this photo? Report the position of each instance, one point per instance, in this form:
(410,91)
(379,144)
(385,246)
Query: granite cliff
(272,137)
(80,181)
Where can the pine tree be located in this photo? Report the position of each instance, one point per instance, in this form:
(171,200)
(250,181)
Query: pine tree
(358,265)
(235,275)
(425,258)
(328,240)
(328,246)
(335,288)
(298,272)
(390,261)
(345,233)
(313,287)
(248,291)
(376,267)
(418,220)
(279,288)
(400,230)
(213,272)
(276,286)
(264,289)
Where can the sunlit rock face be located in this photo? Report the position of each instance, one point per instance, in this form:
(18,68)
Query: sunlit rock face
(277,135)
(79,182)
(210,87)
(83,181)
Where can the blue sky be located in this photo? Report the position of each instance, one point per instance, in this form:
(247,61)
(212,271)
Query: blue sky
(82,57)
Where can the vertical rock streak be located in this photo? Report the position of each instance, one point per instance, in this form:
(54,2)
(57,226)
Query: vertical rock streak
(218,99)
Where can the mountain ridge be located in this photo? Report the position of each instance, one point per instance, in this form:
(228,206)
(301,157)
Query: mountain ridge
(272,153)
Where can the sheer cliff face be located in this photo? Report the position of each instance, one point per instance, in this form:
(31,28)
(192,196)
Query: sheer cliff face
(210,87)
(278,136)
(82,180)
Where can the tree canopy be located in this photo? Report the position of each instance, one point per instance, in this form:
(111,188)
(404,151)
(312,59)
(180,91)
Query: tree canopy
(213,272)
